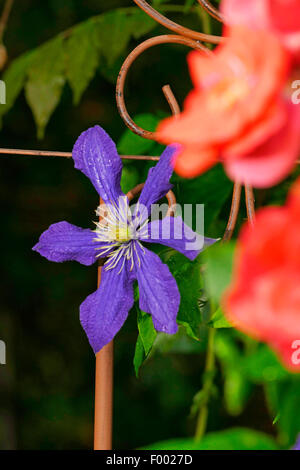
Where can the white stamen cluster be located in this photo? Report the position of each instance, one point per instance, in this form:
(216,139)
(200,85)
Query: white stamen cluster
(121,230)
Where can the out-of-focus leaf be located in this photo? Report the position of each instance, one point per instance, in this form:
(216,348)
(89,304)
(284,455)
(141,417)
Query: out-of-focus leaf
(218,269)
(188,5)
(115,28)
(213,189)
(236,391)
(82,58)
(75,59)
(14,79)
(261,365)
(284,400)
(129,178)
(231,439)
(45,82)
(180,343)
(218,320)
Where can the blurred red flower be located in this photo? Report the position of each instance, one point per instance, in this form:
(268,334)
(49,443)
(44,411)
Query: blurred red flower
(264,297)
(239,112)
(280,16)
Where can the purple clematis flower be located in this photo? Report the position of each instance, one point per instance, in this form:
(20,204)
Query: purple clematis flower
(297,445)
(119,237)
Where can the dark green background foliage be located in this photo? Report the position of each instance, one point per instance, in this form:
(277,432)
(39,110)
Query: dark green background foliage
(63,80)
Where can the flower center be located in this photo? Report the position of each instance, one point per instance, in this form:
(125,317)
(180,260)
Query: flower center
(123,233)
(117,228)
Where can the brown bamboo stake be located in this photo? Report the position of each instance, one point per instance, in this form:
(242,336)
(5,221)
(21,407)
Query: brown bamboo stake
(103,391)
(103,394)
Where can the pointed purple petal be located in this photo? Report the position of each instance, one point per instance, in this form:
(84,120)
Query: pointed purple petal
(157,184)
(95,154)
(103,313)
(67,242)
(173,232)
(297,445)
(159,294)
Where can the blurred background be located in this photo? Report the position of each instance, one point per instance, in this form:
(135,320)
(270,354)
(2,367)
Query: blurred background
(47,385)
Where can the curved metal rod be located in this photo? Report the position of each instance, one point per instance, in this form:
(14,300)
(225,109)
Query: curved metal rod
(176,28)
(211,10)
(164,39)
(235,206)
(250,204)
(170,197)
(172,102)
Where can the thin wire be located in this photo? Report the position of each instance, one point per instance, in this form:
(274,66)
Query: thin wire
(176,28)
(48,153)
(234,210)
(157,40)
(211,10)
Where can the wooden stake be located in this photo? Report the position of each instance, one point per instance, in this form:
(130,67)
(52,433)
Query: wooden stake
(103,393)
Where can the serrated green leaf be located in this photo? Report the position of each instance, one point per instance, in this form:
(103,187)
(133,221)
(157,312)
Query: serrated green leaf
(140,23)
(115,28)
(45,82)
(82,58)
(14,79)
(231,439)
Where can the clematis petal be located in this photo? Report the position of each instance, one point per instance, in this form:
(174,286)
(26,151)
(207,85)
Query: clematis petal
(159,294)
(173,232)
(95,154)
(67,242)
(103,313)
(157,184)
(297,445)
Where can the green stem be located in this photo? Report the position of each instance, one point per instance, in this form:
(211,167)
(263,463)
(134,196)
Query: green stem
(207,386)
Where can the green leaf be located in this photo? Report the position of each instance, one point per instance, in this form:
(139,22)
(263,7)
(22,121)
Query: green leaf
(132,144)
(218,320)
(236,391)
(213,189)
(218,270)
(140,23)
(139,355)
(45,82)
(129,178)
(82,58)
(146,337)
(284,400)
(188,277)
(179,343)
(231,439)
(116,27)
(14,79)
(146,330)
